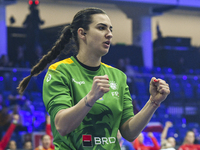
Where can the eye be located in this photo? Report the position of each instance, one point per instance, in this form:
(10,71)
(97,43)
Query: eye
(101,28)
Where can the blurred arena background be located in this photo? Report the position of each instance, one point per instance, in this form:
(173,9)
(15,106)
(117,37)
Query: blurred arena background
(151,38)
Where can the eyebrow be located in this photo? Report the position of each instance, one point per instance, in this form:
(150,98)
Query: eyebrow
(104,25)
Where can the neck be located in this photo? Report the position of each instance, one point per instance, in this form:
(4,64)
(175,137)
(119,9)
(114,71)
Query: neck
(89,59)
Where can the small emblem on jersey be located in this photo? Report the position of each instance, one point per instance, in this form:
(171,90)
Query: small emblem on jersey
(48,77)
(113,85)
(87,140)
(116,94)
(101,99)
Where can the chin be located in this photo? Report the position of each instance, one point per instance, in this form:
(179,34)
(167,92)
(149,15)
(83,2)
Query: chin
(105,51)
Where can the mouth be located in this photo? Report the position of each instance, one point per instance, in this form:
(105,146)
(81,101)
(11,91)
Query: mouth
(107,43)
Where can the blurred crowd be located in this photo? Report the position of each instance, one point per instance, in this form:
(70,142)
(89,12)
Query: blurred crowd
(20,57)
(15,135)
(18,120)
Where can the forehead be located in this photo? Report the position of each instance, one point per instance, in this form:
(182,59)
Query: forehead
(190,133)
(101,18)
(46,137)
(28,143)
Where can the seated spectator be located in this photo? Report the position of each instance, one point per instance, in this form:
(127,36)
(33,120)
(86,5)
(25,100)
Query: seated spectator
(12,145)
(2,104)
(4,141)
(48,130)
(28,106)
(46,143)
(138,143)
(188,143)
(121,65)
(4,61)
(14,98)
(124,144)
(17,110)
(20,127)
(27,145)
(5,120)
(164,138)
(136,107)
(197,136)
(165,145)
(19,59)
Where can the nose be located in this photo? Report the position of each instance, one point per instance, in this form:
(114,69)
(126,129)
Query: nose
(109,35)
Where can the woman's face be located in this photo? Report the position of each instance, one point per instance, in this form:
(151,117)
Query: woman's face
(46,141)
(172,141)
(12,145)
(189,138)
(99,35)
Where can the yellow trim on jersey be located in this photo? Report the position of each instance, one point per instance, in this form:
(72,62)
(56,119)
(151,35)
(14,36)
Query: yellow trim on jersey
(107,65)
(65,61)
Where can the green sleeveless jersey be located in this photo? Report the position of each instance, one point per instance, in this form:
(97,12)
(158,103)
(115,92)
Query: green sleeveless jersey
(66,83)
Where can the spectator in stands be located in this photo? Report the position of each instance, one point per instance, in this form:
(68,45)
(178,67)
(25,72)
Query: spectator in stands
(197,136)
(124,144)
(181,66)
(28,106)
(20,127)
(1,101)
(188,143)
(165,145)
(4,141)
(5,120)
(125,66)
(136,107)
(20,61)
(17,110)
(48,130)
(39,51)
(164,138)
(12,145)
(138,143)
(27,145)
(46,143)
(130,72)
(4,61)
(121,65)
(15,98)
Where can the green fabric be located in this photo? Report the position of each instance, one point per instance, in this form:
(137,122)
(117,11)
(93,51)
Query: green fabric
(66,83)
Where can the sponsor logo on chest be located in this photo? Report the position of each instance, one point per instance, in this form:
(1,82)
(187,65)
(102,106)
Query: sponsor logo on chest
(78,82)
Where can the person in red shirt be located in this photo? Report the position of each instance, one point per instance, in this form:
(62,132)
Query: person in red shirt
(47,139)
(188,143)
(6,138)
(46,142)
(138,143)
(48,130)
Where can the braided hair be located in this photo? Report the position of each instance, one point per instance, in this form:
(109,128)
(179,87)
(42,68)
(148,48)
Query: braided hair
(81,20)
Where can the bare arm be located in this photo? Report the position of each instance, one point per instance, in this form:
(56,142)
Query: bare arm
(67,120)
(159,90)
(168,124)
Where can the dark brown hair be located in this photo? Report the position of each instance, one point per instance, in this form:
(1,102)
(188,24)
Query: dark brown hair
(81,20)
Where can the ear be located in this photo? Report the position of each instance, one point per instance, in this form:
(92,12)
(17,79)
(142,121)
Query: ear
(81,33)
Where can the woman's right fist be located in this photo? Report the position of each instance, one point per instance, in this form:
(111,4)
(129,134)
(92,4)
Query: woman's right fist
(100,86)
